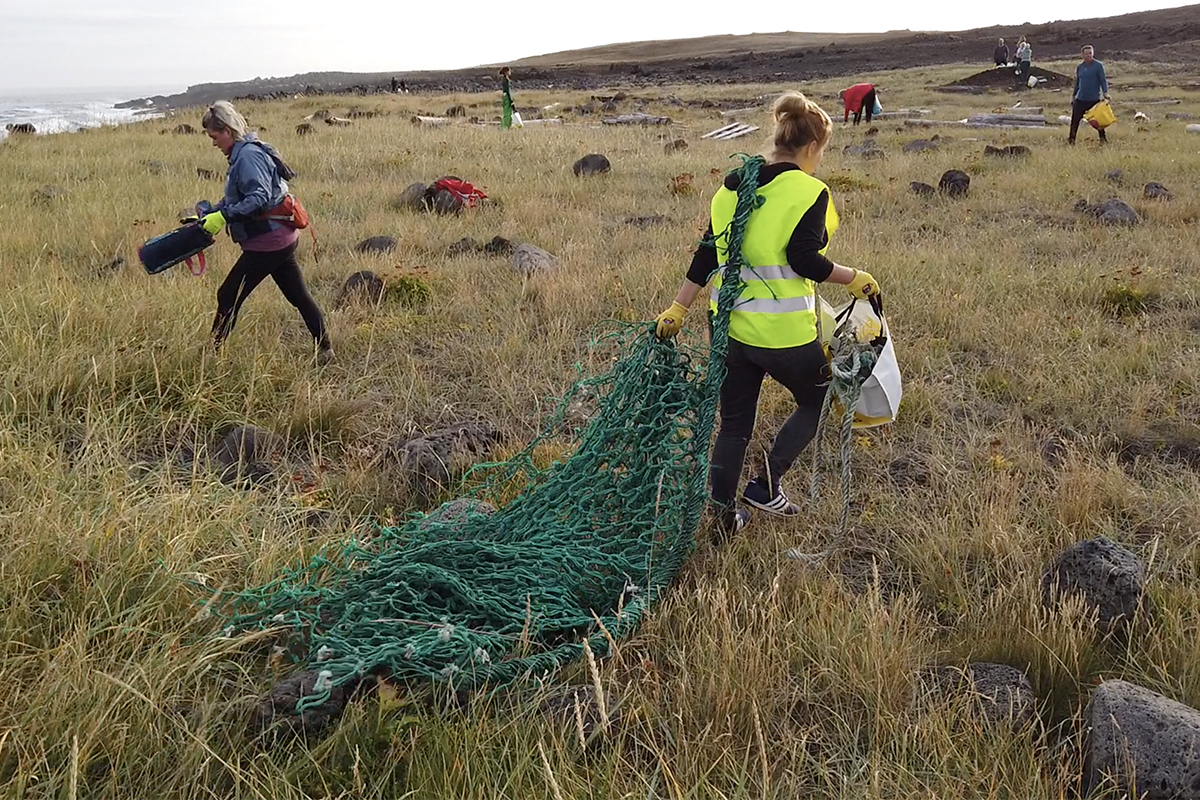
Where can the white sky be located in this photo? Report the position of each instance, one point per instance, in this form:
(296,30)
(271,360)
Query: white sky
(62,44)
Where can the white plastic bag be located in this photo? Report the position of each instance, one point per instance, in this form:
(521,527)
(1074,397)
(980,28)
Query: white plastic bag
(879,402)
(516,120)
(1032,82)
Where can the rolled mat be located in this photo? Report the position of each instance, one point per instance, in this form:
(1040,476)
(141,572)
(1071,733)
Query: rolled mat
(165,251)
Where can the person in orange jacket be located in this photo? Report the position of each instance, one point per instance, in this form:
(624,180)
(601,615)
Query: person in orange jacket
(858,98)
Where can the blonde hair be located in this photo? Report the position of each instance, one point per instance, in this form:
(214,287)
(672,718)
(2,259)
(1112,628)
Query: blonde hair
(799,122)
(221,115)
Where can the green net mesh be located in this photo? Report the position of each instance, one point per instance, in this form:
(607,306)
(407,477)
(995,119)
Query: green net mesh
(581,552)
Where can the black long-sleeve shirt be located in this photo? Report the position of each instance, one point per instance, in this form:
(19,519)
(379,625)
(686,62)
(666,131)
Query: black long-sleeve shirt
(804,246)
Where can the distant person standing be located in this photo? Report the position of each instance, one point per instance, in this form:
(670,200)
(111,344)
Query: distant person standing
(1001,54)
(506,118)
(857,99)
(1024,60)
(1091,87)
(395,85)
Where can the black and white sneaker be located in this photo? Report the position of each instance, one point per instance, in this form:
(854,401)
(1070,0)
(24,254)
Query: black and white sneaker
(731,522)
(758,494)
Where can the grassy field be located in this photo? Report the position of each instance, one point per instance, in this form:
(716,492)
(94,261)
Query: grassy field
(1039,349)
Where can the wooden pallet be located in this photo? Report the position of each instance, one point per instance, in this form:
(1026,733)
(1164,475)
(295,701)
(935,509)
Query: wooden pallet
(733,130)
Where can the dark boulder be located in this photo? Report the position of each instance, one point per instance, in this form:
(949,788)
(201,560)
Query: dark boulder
(376,244)
(1106,576)
(1136,736)
(591,164)
(363,287)
(955,183)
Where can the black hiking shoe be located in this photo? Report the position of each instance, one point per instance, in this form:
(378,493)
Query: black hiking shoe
(731,523)
(758,494)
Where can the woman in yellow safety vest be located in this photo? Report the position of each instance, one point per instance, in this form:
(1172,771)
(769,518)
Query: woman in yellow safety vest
(773,325)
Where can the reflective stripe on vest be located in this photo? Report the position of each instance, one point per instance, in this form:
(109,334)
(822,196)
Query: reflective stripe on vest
(777,307)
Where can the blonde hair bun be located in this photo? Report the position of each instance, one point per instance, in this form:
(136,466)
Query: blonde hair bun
(799,122)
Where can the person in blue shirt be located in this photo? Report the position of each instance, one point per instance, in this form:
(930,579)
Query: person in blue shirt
(1091,87)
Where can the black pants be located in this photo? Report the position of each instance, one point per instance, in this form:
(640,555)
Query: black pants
(804,372)
(1023,72)
(249,271)
(1078,109)
(868,106)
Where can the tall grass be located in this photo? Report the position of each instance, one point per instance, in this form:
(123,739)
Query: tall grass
(757,677)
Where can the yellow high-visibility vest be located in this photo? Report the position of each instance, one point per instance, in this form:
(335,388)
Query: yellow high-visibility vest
(777,307)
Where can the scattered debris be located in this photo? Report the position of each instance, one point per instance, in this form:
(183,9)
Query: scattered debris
(921,189)
(733,130)
(637,119)
(183,129)
(430,122)
(677,146)
(742,112)
(591,164)
(1115,175)
(646,222)
(683,184)
(305,129)
(206,174)
(1180,115)
(456,111)
(338,121)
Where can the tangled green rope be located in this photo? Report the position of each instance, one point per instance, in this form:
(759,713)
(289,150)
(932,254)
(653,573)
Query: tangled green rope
(851,365)
(585,548)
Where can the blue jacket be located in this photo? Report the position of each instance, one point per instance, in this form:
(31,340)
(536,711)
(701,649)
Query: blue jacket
(254,185)
(1091,84)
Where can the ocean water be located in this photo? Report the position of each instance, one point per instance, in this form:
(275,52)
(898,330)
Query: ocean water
(52,111)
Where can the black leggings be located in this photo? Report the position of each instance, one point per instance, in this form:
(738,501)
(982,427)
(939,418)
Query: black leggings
(868,108)
(1078,109)
(249,271)
(804,372)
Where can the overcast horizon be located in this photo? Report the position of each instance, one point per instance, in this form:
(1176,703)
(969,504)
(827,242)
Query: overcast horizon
(143,45)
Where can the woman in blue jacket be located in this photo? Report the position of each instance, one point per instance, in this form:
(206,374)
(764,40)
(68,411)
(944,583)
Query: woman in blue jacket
(256,183)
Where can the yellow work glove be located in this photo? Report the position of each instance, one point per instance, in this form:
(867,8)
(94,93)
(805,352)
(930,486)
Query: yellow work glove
(670,321)
(863,286)
(213,223)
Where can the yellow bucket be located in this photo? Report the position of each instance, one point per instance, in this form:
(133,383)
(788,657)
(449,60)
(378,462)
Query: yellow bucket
(1101,115)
